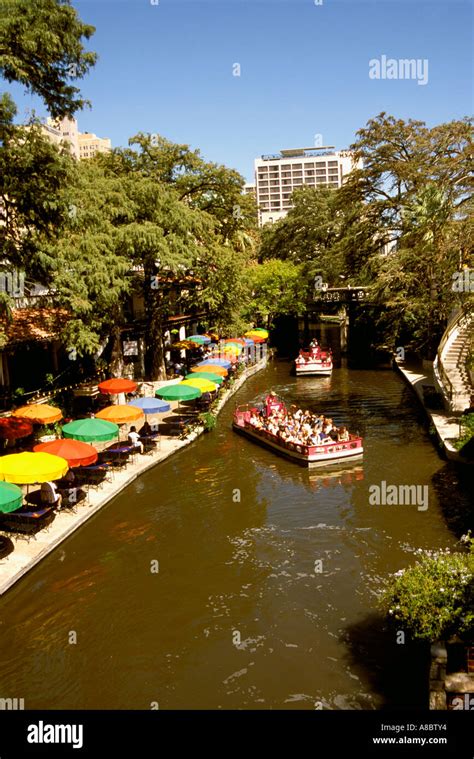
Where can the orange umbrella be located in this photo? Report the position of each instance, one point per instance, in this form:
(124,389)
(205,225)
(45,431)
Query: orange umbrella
(237,340)
(116,386)
(120,414)
(40,413)
(211,368)
(75,452)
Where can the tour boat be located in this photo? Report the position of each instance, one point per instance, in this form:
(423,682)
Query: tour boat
(323,454)
(313,362)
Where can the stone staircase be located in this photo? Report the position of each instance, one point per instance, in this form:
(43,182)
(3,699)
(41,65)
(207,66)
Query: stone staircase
(450,366)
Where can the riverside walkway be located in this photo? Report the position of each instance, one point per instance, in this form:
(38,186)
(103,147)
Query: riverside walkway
(27,554)
(445,423)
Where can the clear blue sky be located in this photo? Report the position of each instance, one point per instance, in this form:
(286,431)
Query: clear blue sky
(168,68)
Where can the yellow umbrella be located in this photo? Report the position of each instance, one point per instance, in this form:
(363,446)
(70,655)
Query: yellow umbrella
(204,385)
(231,349)
(120,414)
(40,413)
(29,468)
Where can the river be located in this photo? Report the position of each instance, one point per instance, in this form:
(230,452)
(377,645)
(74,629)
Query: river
(264,602)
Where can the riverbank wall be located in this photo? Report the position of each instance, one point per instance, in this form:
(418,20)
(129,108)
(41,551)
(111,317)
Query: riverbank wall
(30,552)
(445,424)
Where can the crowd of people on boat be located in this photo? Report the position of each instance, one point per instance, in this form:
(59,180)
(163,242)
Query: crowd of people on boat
(295,425)
(314,352)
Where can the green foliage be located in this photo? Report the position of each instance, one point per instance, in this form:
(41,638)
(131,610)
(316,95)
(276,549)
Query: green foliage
(41,48)
(208,421)
(274,287)
(467,431)
(434,598)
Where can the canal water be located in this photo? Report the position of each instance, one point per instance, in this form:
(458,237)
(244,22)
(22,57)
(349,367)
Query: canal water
(265,594)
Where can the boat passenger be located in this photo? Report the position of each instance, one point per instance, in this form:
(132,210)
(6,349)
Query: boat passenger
(343,435)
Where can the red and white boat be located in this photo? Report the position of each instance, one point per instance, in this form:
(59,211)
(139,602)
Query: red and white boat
(323,454)
(313,362)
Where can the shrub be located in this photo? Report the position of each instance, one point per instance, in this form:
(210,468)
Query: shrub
(434,599)
(208,420)
(466,431)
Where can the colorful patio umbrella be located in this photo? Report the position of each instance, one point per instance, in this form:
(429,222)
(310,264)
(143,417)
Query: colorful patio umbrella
(214,368)
(217,361)
(90,430)
(116,386)
(248,341)
(258,331)
(234,341)
(28,468)
(205,386)
(75,452)
(150,405)
(11,497)
(40,413)
(120,414)
(256,339)
(178,392)
(13,427)
(234,350)
(211,376)
(202,339)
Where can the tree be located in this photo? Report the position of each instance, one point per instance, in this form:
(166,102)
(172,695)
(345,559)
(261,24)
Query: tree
(187,219)
(275,288)
(416,189)
(88,273)
(41,48)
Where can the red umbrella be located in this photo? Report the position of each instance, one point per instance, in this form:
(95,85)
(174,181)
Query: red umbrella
(75,452)
(13,427)
(116,386)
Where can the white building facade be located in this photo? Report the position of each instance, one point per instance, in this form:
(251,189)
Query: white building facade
(277,176)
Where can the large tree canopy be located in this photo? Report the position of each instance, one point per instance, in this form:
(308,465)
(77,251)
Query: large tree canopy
(41,48)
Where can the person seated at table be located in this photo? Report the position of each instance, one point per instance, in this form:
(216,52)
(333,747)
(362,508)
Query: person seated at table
(50,495)
(145,430)
(134,439)
(69,476)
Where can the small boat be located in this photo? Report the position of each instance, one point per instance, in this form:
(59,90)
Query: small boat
(323,454)
(314,362)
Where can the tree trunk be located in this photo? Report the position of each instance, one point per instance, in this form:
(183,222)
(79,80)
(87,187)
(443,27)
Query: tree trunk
(155,317)
(116,357)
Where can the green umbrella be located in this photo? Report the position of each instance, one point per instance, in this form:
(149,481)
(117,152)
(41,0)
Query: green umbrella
(11,497)
(88,430)
(206,375)
(178,393)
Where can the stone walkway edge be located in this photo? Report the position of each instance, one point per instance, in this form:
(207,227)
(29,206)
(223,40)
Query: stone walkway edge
(27,554)
(445,423)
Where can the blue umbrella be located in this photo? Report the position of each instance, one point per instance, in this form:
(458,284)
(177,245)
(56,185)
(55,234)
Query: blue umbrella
(150,405)
(217,362)
(204,339)
(248,341)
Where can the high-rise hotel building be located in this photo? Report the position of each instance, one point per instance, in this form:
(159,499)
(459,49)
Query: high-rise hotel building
(276,176)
